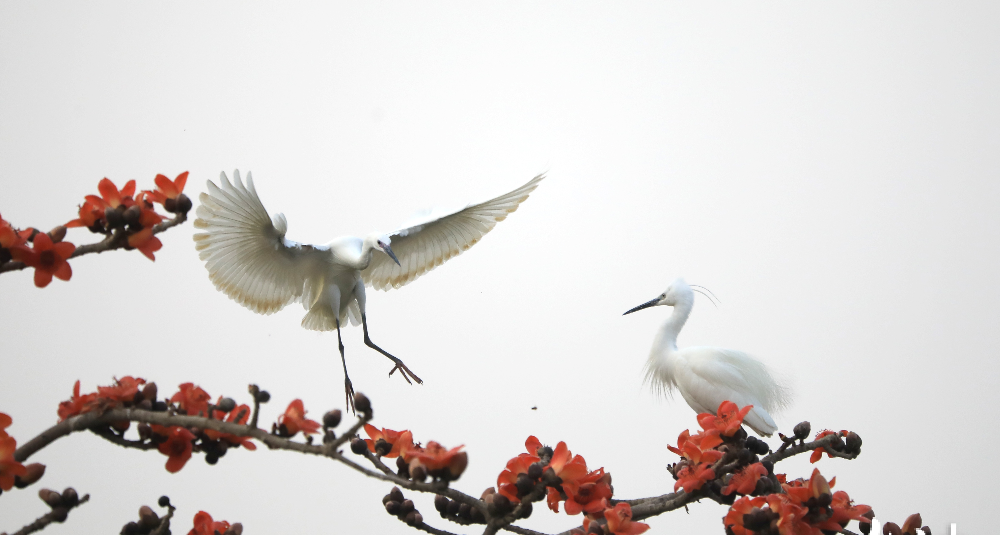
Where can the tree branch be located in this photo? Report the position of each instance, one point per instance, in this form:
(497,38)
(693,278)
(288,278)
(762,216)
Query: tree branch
(49,518)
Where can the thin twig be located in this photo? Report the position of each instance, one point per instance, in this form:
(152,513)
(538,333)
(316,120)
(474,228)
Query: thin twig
(48,518)
(122,441)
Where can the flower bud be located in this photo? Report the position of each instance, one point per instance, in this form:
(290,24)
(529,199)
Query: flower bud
(402,468)
(57,234)
(170,205)
(801,430)
(410,518)
(453,508)
(502,504)
(263,396)
(50,497)
(236,528)
(147,518)
(331,418)
(183,205)
(475,515)
(59,514)
(464,510)
(382,447)
(397,495)
(853,443)
(418,472)
(35,471)
(524,484)
(358,446)
(145,405)
(362,404)
(132,215)
(488,492)
(535,470)
(526,509)
(406,507)
(132,528)
(121,425)
(595,528)
(891,528)
(441,503)
(457,465)
(164,501)
(226,405)
(392,507)
(114,217)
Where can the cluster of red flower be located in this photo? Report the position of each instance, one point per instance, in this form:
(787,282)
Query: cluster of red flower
(176,442)
(415,461)
(114,209)
(804,508)
(9,468)
(204,524)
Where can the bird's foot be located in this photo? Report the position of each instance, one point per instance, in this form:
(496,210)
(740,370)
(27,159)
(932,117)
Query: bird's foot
(349,393)
(405,372)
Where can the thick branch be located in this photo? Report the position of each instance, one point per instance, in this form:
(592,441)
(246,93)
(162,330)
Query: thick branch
(118,240)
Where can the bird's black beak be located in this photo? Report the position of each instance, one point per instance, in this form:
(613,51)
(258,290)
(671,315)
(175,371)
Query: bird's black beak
(389,252)
(647,304)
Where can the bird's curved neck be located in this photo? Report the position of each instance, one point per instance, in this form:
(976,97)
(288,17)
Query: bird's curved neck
(672,327)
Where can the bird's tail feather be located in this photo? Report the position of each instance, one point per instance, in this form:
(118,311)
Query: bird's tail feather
(320,318)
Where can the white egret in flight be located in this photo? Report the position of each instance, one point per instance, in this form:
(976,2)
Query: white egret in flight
(707,376)
(249,259)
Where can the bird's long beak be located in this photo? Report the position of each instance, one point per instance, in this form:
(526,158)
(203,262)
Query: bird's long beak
(389,252)
(647,304)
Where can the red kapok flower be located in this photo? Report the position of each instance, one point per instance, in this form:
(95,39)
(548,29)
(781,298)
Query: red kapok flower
(743,506)
(507,480)
(123,391)
(744,481)
(790,516)
(727,419)
(9,237)
(77,404)
(698,448)
(5,421)
(620,521)
(111,197)
(400,441)
(9,468)
(692,479)
(439,461)
(145,242)
(205,525)
(567,466)
(90,214)
(48,259)
(177,446)
(168,189)
(817,453)
(844,511)
(240,415)
(192,399)
(589,494)
(295,420)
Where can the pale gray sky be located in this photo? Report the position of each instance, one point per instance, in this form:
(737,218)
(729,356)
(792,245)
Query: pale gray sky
(829,170)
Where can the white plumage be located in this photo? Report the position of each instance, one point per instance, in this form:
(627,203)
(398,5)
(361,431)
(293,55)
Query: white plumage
(249,259)
(707,376)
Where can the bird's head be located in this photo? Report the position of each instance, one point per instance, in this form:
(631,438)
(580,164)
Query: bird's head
(678,292)
(380,242)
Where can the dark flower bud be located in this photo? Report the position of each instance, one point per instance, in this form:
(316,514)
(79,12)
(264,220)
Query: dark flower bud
(392,507)
(70,497)
(397,495)
(160,406)
(358,446)
(121,426)
(488,492)
(824,499)
(853,442)
(35,471)
(263,396)
(132,214)
(535,470)
(545,452)
(802,430)
(149,391)
(457,465)
(50,497)
(837,443)
(418,472)
(410,518)
(756,520)
(332,418)
(114,217)
(524,484)
(406,507)
(382,447)
(745,456)
(402,468)
(596,528)
(891,528)
(417,518)
(57,234)
(526,509)
(59,514)
(211,458)
(164,501)
(441,503)
(464,510)
(170,205)
(475,515)
(502,504)
(453,508)
(183,204)
(362,404)
(132,528)
(226,405)
(147,518)
(235,529)
(145,405)
(757,446)
(329,436)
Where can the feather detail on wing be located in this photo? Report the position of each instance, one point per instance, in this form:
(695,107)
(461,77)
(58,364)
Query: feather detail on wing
(245,252)
(424,246)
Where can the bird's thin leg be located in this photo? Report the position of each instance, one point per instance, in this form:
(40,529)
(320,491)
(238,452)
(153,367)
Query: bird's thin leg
(407,374)
(348,387)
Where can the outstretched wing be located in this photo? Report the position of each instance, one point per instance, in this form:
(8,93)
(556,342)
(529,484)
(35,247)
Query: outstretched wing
(246,253)
(424,246)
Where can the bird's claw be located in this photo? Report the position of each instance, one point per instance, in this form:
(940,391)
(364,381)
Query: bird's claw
(405,372)
(349,394)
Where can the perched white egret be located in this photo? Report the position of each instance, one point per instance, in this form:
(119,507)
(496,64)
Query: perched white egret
(249,259)
(707,376)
